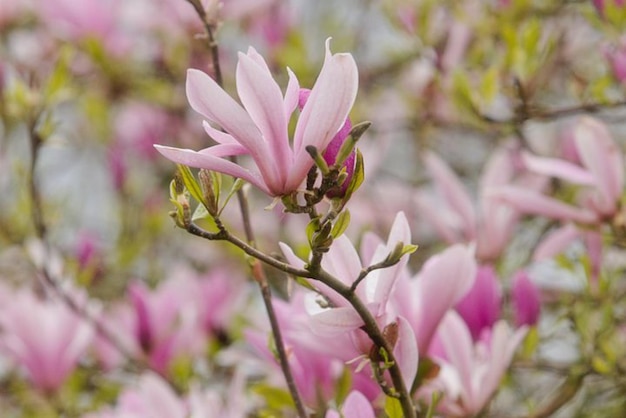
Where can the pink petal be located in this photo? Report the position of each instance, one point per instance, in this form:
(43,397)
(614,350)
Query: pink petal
(554,167)
(556,242)
(209,162)
(531,202)
(336,321)
(499,170)
(445,222)
(458,346)
(601,155)
(357,405)
(325,111)
(444,279)
(406,352)
(217,135)
(451,189)
(263,100)
(208,99)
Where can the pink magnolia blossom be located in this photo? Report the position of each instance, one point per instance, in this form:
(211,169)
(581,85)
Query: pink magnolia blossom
(340,320)
(43,336)
(164,325)
(601,173)
(442,282)
(480,307)
(356,405)
(150,397)
(526,300)
(470,372)
(455,216)
(260,127)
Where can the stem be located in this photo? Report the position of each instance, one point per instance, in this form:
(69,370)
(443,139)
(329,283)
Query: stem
(52,282)
(370,326)
(209,28)
(259,276)
(373,331)
(568,389)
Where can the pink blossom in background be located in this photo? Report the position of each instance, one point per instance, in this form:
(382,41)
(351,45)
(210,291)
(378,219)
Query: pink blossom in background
(138,126)
(526,300)
(85,19)
(44,337)
(470,372)
(456,218)
(165,326)
(601,5)
(601,175)
(259,128)
(480,307)
(616,57)
(150,397)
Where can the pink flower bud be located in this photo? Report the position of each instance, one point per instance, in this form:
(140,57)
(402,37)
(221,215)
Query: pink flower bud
(526,300)
(616,57)
(480,308)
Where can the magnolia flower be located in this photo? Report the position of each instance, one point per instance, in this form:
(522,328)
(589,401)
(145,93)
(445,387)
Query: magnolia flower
(151,397)
(456,219)
(339,319)
(470,372)
(602,173)
(260,127)
(442,282)
(43,336)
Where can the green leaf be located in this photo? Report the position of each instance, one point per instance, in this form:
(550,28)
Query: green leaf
(358,176)
(341,224)
(200,213)
(237,185)
(343,386)
(393,408)
(312,227)
(190,182)
(276,398)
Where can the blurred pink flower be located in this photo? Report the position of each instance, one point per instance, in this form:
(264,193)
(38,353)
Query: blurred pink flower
(356,405)
(470,372)
(455,217)
(44,337)
(78,21)
(480,307)
(165,326)
(151,397)
(259,128)
(616,57)
(526,300)
(602,174)
(138,126)
(601,5)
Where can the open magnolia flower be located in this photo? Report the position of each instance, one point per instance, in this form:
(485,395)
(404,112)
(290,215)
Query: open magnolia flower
(260,127)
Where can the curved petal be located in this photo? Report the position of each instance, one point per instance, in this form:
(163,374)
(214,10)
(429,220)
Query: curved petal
(357,405)
(325,111)
(601,155)
(208,99)
(555,167)
(444,279)
(210,162)
(556,242)
(224,150)
(451,189)
(217,135)
(406,352)
(531,202)
(263,100)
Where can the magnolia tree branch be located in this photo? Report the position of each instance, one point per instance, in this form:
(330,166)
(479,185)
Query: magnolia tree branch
(315,272)
(49,279)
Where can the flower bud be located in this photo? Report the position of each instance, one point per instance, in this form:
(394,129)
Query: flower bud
(526,300)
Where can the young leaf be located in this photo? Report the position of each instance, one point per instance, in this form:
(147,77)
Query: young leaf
(341,224)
